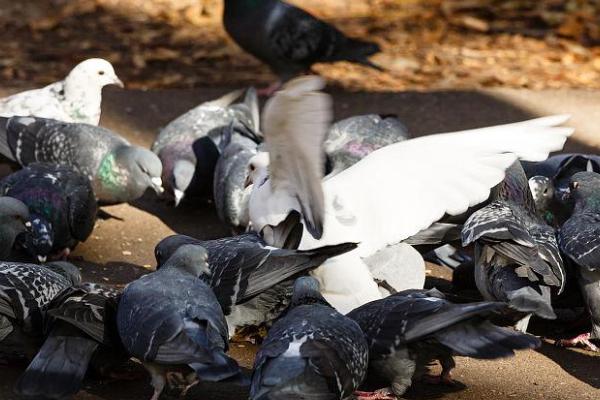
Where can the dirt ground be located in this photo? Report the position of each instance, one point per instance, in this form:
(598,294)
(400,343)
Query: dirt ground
(121,249)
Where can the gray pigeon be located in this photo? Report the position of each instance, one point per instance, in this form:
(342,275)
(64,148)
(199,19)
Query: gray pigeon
(517,260)
(579,240)
(243,266)
(14,220)
(81,330)
(350,140)
(549,183)
(61,204)
(25,291)
(311,352)
(119,172)
(170,320)
(409,330)
(77,98)
(189,145)
(288,39)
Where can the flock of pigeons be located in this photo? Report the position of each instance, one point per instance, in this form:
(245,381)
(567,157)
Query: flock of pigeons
(332,220)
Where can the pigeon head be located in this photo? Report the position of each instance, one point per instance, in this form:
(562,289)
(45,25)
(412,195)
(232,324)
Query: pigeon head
(39,239)
(258,169)
(190,258)
(584,189)
(142,167)
(168,246)
(542,189)
(307,291)
(67,270)
(14,217)
(95,72)
(183,172)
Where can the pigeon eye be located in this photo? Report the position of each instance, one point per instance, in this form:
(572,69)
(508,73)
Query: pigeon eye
(252,167)
(100,72)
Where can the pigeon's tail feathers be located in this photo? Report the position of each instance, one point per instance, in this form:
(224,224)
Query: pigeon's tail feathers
(222,368)
(530,301)
(288,233)
(227,99)
(481,339)
(4,146)
(58,369)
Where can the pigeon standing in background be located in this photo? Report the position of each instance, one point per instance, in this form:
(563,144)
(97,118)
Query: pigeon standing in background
(25,291)
(14,220)
(171,320)
(394,204)
(77,98)
(579,240)
(311,352)
(517,260)
(288,39)
(61,204)
(119,171)
(243,266)
(189,145)
(81,330)
(409,330)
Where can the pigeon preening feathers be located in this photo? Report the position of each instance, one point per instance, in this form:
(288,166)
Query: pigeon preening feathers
(517,260)
(14,220)
(288,39)
(81,330)
(170,319)
(311,352)
(579,240)
(189,146)
(62,208)
(77,98)
(25,291)
(119,171)
(394,204)
(409,330)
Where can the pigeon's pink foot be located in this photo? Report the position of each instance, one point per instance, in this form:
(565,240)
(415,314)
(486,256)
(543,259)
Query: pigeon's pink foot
(381,394)
(582,340)
(269,90)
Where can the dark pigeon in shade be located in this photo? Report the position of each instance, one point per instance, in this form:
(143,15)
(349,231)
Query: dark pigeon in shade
(25,291)
(62,208)
(14,220)
(189,146)
(81,331)
(579,240)
(549,183)
(119,171)
(517,260)
(311,352)
(288,39)
(409,330)
(351,139)
(244,266)
(170,320)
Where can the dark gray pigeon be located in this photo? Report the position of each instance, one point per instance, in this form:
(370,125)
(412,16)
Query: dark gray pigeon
(288,39)
(119,172)
(311,352)
(409,330)
(549,183)
(25,291)
(81,330)
(189,146)
(350,140)
(244,266)
(517,260)
(61,204)
(579,240)
(170,320)
(14,220)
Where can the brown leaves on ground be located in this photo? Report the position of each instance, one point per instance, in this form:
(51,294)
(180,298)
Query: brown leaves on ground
(427,44)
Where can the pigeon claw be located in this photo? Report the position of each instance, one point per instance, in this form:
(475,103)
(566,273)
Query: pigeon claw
(583,340)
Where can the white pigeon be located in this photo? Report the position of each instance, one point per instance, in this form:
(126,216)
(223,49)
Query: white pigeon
(385,198)
(77,98)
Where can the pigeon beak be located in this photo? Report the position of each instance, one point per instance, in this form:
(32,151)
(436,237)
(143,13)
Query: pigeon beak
(178,196)
(157,185)
(42,259)
(248,181)
(118,82)
(28,224)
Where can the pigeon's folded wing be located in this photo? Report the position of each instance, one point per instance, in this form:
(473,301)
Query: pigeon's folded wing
(579,239)
(398,190)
